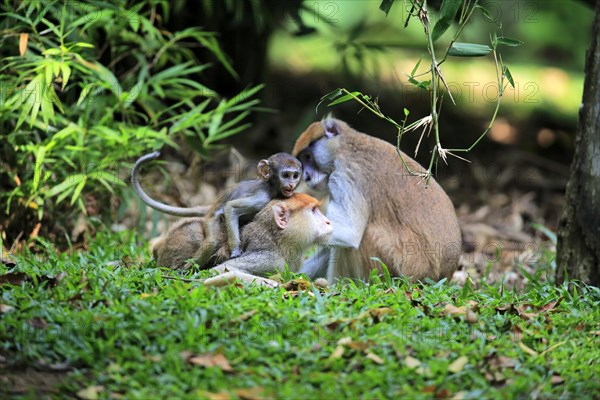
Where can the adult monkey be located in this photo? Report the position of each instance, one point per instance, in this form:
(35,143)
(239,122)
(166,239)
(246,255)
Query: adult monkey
(377,208)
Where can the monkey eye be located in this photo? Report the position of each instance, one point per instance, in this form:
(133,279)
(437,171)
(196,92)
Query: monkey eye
(296,175)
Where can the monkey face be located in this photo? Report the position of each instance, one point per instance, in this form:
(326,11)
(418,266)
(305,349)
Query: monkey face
(314,173)
(309,226)
(322,226)
(289,178)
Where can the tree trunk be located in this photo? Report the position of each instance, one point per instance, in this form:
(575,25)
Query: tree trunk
(578,252)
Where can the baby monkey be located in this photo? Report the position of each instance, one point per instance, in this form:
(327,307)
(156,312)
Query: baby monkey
(278,176)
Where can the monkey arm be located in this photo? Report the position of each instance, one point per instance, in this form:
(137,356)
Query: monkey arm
(256,263)
(316,265)
(348,212)
(233,210)
(228,276)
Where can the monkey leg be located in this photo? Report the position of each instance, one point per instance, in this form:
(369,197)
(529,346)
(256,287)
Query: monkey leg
(180,243)
(213,250)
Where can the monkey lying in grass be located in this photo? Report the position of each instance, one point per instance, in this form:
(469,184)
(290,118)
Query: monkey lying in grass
(277,237)
(278,177)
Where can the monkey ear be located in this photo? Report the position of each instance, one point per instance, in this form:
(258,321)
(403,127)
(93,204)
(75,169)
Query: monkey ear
(331,127)
(263,169)
(281,214)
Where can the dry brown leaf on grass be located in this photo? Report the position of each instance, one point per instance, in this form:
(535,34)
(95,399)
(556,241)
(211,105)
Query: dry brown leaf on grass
(411,362)
(298,284)
(213,396)
(376,314)
(38,323)
(254,393)
(13,278)
(495,366)
(23,39)
(458,364)
(454,311)
(245,316)
(90,392)
(4,308)
(210,360)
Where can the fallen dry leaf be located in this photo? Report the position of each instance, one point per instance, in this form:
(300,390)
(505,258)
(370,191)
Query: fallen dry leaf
(376,314)
(337,353)
(153,357)
(211,360)
(23,38)
(454,311)
(90,392)
(458,364)
(213,396)
(34,233)
(375,358)
(411,362)
(38,323)
(297,285)
(4,308)
(245,316)
(524,312)
(13,278)
(254,393)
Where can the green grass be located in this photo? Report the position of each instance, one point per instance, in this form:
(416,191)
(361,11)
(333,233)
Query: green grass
(114,329)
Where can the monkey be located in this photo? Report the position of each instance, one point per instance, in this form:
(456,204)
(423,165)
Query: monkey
(381,214)
(279,176)
(279,235)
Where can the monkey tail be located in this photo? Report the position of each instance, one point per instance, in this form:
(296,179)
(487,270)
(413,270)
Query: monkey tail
(165,208)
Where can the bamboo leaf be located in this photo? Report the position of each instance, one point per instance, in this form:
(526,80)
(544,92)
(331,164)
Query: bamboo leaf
(469,50)
(66,74)
(344,98)
(386,6)
(71,181)
(40,154)
(77,191)
(447,14)
(509,76)
(505,41)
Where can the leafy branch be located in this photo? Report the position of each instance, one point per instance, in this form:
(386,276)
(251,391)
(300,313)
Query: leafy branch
(437,86)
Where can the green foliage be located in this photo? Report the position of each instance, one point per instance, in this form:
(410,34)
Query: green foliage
(105,318)
(437,86)
(88,86)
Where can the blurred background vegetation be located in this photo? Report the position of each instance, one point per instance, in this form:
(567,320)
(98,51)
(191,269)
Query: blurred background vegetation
(89,86)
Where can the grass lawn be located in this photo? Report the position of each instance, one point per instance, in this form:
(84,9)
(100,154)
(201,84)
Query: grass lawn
(101,323)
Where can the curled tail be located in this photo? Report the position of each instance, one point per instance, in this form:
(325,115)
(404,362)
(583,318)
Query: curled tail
(165,208)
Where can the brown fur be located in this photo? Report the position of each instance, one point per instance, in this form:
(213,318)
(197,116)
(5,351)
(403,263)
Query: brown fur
(272,246)
(411,228)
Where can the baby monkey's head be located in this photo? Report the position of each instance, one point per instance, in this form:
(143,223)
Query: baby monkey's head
(283,171)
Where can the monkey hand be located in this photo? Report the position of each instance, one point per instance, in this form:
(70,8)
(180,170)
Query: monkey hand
(236,252)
